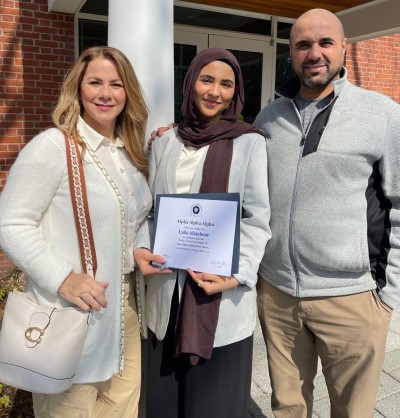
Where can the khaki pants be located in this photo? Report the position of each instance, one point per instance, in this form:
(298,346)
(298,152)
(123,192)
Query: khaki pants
(117,397)
(348,333)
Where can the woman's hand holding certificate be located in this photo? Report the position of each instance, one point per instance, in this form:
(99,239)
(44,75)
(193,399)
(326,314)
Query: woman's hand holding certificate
(147,261)
(213,283)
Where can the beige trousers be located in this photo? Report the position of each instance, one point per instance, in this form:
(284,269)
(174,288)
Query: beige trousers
(348,333)
(117,397)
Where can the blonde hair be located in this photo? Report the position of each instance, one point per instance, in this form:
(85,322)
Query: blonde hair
(131,122)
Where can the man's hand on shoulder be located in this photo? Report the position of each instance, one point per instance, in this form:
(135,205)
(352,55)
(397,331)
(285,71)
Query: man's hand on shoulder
(160,132)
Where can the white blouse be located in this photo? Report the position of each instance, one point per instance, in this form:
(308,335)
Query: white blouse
(117,162)
(187,165)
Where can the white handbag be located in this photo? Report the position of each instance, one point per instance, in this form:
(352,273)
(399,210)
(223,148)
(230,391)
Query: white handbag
(40,346)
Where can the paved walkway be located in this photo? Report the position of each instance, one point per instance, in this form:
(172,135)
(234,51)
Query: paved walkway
(388,401)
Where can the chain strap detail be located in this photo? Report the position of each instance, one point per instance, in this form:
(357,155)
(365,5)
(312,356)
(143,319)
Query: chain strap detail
(83,229)
(123,252)
(138,301)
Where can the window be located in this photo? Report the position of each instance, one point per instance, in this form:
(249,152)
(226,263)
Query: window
(224,21)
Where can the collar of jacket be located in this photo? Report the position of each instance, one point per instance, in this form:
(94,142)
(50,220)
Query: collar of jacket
(290,88)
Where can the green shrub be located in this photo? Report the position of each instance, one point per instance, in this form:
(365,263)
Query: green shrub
(4,400)
(11,278)
(3,293)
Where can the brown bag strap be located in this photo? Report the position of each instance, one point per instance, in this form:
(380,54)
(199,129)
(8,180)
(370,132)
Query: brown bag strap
(77,187)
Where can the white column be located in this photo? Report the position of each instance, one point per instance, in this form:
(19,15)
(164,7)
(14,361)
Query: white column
(143,30)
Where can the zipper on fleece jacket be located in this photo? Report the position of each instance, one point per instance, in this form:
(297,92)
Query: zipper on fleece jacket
(294,200)
(293,209)
(297,179)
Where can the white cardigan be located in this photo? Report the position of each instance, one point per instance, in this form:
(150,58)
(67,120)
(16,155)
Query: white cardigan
(38,233)
(249,177)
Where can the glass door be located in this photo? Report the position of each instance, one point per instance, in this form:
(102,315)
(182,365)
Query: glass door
(254,56)
(186,46)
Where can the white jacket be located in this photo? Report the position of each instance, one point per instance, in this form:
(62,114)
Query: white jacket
(248,176)
(38,233)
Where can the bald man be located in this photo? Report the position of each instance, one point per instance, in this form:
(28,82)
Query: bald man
(330,277)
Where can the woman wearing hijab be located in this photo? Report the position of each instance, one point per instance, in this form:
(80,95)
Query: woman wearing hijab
(201,324)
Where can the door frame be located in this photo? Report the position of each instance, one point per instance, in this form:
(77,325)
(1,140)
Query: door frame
(204,38)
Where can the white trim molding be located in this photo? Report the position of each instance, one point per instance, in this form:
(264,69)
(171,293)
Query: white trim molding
(371,20)
(65,6)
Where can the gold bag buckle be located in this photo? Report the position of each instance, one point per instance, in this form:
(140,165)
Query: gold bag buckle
(30,331)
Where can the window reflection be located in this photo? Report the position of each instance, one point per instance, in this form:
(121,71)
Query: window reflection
(284,69)
(225,21)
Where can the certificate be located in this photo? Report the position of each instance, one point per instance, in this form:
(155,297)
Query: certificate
(198,231)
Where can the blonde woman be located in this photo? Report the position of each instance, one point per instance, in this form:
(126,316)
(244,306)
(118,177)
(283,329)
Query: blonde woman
(102,105)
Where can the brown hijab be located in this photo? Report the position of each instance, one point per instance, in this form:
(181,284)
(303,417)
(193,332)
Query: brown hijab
(198,312)
(196,132)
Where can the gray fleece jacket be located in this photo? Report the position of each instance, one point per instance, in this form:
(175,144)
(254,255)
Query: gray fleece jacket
(335,207)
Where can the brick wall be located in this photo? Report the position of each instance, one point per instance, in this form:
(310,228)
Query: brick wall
(36,49)
(375,65)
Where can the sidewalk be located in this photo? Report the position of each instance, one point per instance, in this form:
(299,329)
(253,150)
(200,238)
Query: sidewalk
(388,400)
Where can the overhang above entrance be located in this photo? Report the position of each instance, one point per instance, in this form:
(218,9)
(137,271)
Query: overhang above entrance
(65,6)
(285,8)
(362,19)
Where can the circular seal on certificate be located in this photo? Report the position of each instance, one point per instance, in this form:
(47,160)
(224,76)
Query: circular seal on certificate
(195,210)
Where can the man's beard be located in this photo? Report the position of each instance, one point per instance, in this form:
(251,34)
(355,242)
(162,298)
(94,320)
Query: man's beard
(321,81)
